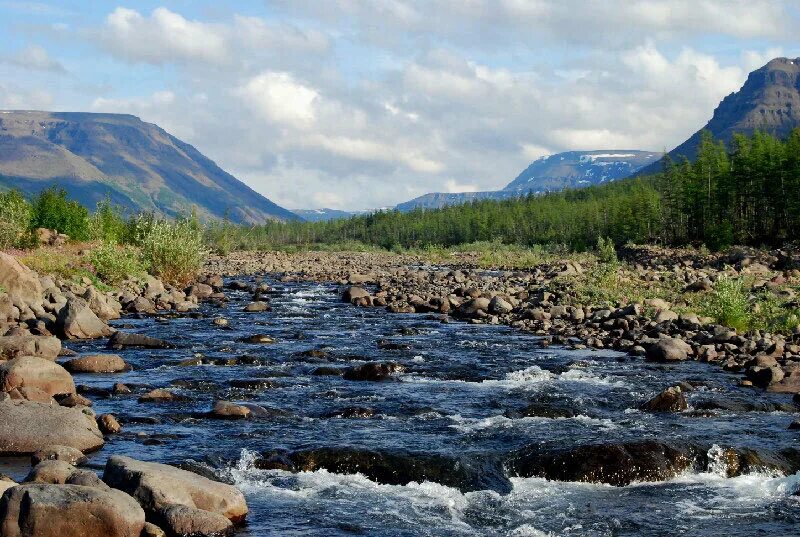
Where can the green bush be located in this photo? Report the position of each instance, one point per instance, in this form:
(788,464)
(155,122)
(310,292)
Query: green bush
(113,264)
(728,304)
(107,224)
(173,250)
(15,219)
(52,210)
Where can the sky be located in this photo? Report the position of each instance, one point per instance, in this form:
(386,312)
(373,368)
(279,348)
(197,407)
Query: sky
(360,104)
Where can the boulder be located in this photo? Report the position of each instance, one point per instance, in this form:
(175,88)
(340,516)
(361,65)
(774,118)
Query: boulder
(353,293)
(229,411)
(68,454)
(373,371)
(160,395)
(77,321)
(27,427)
(46,347)
(670,400)
(140,305)
(669,350)
(185,520)
(54,472)
(159,486)
(20,283)
(127,339)
(471,307)
(257,307)
(617,464)
(43,510)
(96,363)
(32,372)
(30,393)
(500,306)
(108,424)
(104,307)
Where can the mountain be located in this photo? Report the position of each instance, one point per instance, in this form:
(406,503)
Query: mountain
(137,165)
(322,215)
(769,101)
(571,169)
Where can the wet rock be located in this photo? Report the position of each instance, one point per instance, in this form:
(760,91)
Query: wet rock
(120,389)
(353,412)
(31,372)
(46,347)
(670,400)
(97,363)
(77,321)
(373,371)
(259,339)
(229,411)
(184,520)
(327,371)
(158,486)
(257,307)
(151,530)
(108,424)
(466,473)
(617,464)
(27,427)
(44,510)
(669,350)
(67,454)
(538,409)
(160,395)
(127,339)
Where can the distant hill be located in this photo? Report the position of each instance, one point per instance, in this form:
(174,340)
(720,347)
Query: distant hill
(571,169)
(137,164)
(322,215)
(769,101)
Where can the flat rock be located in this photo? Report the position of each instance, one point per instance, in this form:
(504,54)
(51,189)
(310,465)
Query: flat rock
(158,486)
(27,427)
(127,339)
(32,372)
(96,363)
(68,454)
(44,510)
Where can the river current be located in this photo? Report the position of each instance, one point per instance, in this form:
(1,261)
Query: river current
(461,383)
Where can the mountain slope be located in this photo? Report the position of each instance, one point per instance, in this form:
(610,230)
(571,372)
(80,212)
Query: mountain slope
(136,164)
(571,169)
(769,100)
(322,215)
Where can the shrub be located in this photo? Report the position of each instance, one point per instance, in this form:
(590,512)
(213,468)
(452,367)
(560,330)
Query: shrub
(52,210)
(728,304)
(606,253)
(113,264)
(15,219)
(173,250)
(106,224)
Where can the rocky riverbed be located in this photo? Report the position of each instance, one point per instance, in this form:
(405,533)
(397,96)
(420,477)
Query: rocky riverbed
(298,395)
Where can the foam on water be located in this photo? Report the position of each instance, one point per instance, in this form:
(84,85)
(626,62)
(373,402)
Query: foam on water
(471,425)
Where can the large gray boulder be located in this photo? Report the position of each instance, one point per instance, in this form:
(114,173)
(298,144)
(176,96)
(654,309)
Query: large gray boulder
(32,372)
(45,510)
(183,520)
(27,427)
(20,283)
(46,347)
(106,308)
(158,486)
(669,349)
(77,321)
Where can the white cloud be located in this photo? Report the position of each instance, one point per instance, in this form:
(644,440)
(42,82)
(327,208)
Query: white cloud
(280,98)
(34,57)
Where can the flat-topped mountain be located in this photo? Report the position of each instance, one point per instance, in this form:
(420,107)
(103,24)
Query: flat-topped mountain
(768,101)
(138,165)
(571,169)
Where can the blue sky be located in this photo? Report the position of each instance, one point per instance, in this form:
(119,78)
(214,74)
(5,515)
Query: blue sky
(356,104)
